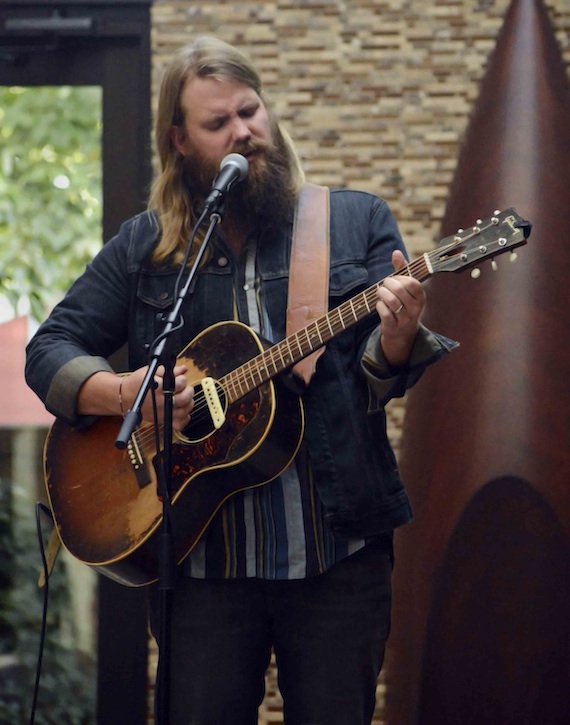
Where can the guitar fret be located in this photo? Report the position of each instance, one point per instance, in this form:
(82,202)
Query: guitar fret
(314,335)
(255,375)
(371,304)
(309,336)
(285,360)
(313,338)
(298,343)
(353,309)
(264,361)
(243,379)
(341,319)
(246,385)
(287,345)
(229,385)
(347,316)
(279,351)
(305,345)
(273,362)
(241,386)
(339,323)
(251,369)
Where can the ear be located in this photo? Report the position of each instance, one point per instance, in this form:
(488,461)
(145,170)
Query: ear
(178,139)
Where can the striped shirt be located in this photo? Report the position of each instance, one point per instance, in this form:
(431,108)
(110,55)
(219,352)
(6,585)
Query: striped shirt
(274,531)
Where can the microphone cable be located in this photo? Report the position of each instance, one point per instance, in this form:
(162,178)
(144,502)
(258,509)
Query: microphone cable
(41,508)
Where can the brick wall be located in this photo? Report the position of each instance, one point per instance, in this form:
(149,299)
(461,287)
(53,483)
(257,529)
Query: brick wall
(376,94)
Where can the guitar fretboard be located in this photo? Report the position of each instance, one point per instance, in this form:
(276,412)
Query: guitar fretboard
(289,351)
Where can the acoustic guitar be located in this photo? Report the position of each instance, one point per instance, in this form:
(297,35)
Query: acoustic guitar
(245,429)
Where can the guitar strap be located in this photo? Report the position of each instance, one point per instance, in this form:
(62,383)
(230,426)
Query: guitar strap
(309,268)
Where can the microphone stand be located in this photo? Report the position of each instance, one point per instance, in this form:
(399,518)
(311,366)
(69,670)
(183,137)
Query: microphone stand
(166,549)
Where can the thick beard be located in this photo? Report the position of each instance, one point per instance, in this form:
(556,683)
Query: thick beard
(265,199)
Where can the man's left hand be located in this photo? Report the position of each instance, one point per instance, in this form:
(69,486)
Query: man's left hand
(401,300)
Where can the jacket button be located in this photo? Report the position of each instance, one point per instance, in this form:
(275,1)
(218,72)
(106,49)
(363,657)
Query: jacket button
(222,261)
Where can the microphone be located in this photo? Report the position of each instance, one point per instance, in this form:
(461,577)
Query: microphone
(234,167)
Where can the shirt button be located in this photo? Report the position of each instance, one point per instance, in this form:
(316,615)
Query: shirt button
(222,261)
(246,287)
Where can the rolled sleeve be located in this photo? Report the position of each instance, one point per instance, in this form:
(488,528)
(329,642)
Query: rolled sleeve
(64,388)
(386,383)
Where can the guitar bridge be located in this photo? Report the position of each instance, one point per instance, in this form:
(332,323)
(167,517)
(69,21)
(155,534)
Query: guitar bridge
(138,462)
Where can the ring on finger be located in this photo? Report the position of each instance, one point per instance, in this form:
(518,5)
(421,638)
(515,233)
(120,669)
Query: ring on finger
(400,308)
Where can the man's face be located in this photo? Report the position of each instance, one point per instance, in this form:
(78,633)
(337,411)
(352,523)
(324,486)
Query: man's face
(221,117)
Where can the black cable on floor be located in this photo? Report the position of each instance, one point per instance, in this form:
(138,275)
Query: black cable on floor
(39,509)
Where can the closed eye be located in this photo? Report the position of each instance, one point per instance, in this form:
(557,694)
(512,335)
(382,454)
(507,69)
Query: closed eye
(216,123)
(248,111)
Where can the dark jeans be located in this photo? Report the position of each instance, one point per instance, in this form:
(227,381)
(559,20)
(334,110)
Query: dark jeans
(328,633)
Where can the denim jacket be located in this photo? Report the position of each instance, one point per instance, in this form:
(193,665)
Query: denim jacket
(121,299)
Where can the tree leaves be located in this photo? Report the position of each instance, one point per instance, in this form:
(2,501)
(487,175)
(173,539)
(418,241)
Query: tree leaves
(50,191)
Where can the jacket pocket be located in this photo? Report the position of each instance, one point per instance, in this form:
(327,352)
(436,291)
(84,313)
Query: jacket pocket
(154,298)
(346,279)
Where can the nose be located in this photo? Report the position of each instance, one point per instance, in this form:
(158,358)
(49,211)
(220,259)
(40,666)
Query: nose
(242,132)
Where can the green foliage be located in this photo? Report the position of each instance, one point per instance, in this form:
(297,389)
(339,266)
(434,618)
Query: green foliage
(50,190)
(67,684)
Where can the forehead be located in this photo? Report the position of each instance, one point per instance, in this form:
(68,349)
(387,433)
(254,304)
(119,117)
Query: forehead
(204,97)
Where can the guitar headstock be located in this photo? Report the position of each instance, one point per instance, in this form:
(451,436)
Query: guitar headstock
(502,232)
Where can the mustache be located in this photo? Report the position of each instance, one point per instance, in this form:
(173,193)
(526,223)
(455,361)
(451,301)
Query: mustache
(252,146)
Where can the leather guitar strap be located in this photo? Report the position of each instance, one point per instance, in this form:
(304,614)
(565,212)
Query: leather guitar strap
(309,269)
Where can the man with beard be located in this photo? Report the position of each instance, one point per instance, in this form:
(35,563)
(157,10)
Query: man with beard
(302,564)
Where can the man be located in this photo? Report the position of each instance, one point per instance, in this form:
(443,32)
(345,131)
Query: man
(303,563)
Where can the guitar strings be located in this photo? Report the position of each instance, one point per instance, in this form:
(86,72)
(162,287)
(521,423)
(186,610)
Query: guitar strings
(243,377)
(239,377)
(252,368)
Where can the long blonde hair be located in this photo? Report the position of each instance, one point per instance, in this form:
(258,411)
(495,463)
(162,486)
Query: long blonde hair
(206,57)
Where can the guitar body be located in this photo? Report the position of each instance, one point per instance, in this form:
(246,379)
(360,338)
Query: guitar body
(105,501)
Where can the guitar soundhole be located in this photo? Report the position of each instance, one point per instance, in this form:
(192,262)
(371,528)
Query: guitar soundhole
(201,424)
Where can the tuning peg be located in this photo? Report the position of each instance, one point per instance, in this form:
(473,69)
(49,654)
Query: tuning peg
(513,256)
(475,273)
(493,265)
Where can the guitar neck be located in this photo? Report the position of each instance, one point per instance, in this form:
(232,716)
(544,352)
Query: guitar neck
(284,354)
(500,233)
